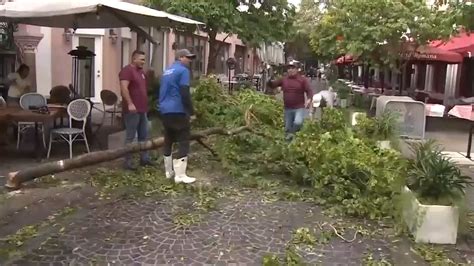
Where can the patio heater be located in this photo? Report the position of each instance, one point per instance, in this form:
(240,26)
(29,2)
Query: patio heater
(231,64)
(83,72)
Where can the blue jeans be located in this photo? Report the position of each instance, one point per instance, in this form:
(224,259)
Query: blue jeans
(136,124)
(294,119)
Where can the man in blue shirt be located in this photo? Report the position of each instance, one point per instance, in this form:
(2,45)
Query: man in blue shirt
(176,110)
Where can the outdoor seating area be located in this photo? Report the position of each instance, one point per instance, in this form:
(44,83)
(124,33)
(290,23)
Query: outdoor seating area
(459,112)
(239,80)
(46,121)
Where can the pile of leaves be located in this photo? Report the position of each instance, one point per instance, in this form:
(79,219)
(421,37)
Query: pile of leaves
(346,170)
(343,168)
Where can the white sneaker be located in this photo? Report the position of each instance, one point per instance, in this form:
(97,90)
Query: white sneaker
(169,173)
(179,166)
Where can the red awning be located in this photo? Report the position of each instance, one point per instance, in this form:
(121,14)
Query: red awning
(462,43)
(346,59)
(430,53)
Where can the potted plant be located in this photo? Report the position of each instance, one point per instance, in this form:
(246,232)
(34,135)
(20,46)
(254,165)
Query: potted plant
(382,129)
(343,92)
(385,129)
(432,194)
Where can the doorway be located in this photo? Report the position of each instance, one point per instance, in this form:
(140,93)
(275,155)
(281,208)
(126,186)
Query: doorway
(90,71)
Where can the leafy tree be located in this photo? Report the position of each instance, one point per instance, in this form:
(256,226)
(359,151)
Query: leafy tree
(464,12)
(377,31)
(254,21)
(309,14)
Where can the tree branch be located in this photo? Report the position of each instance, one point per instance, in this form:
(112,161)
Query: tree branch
(202,143)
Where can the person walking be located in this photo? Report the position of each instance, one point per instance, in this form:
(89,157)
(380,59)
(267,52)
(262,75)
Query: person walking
(294,87)
(176,111)
(133,87)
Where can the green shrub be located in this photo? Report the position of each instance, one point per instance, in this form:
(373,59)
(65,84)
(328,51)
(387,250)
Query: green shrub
(383,127)
(346,171)
(341,167)
(342,89)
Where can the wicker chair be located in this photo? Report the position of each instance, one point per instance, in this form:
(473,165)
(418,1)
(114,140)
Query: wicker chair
(78,110)
(27,102)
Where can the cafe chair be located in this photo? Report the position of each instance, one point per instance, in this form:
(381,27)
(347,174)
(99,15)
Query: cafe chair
(60,95)
(30,101)
(109,105)
(77,110)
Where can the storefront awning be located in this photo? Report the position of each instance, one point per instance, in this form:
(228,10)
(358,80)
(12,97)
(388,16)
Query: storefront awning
(346,59)
(462,43)
(429,53)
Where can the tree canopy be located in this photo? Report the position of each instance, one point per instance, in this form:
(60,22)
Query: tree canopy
(254,21)
(377,30)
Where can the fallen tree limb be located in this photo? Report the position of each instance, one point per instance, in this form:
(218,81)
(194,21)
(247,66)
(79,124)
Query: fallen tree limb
(211,150)
(15,179)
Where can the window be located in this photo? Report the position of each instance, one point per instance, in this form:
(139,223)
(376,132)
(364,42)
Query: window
(240,54)
(197,45)
(222,56)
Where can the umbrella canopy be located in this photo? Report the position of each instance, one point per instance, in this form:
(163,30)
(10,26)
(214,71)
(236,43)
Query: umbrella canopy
(89,14)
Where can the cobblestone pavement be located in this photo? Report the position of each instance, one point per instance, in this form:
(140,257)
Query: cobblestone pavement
(241,230)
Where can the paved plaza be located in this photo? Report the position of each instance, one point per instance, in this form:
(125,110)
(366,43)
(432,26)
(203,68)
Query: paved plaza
(241,230)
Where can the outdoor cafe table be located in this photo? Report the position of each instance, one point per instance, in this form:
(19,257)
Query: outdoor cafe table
(17,114)
(465,112)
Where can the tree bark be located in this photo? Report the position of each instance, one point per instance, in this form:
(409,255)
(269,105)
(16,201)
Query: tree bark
(214,48)
(15,179)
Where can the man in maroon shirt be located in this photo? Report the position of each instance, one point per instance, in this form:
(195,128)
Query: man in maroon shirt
(294,87)
(133,86)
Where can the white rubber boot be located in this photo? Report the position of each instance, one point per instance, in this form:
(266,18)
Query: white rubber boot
(169,173)
(179,166)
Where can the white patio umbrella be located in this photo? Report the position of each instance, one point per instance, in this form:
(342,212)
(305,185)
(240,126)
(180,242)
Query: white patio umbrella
(77,14)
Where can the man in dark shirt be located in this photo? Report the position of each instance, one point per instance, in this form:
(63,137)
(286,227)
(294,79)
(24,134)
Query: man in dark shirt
(176,111)
(294,87)
(133,87)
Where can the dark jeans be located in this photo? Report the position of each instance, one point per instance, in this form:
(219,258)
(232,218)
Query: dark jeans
(136,124)
(177,128)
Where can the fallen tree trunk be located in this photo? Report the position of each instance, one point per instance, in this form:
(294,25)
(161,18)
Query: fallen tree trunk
(15,179)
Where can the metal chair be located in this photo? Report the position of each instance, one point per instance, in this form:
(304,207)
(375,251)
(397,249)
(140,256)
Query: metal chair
(78,110)
(109,98)
(29,101)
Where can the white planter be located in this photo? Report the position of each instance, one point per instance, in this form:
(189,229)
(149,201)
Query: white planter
(343,103)
(384,144)
(435,224)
